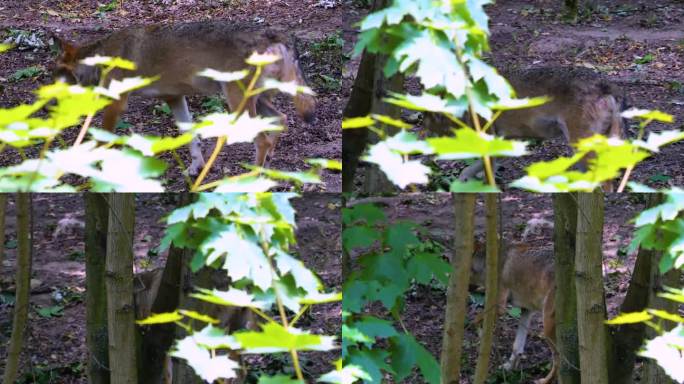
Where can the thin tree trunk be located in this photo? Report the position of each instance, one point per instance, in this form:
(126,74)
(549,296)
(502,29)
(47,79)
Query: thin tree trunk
(491,289)
(375,179)
(119,282)
(589,286)
(627,338)
(23,288)
(354,140)
(96,229)
(565,234)
(571,10)
(157,340)
(3,212)
(457,291)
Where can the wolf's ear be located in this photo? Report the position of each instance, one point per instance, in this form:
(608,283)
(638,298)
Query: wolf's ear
(65,48)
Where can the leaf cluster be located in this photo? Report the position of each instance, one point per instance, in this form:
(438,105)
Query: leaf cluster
(391,258)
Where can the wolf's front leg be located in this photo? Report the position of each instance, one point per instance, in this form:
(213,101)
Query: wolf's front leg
(520,339)
(197,158)
(181,112)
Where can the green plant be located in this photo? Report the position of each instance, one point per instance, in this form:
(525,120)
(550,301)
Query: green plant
(26,73)
(213,104)
(98,162)
(391,258)
(249,237)
(49,312)
(661,228)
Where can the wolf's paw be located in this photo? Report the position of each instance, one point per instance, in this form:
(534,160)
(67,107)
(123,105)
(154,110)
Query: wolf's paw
(195,167)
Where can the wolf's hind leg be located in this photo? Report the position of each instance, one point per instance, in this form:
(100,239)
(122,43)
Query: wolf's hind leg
(179,108)
(520,340)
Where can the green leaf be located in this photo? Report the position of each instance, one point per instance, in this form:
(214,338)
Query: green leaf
(242,129)
(224,77)
(244,184)
(357,122)
(374,327)
(629,318)
(666,350)
(198,316)
(262,59)
(161,318)
(468,143)
(279,379)
(346,375)
(391,121)
(273,337)
(398,171)
(231,297)
(107,61)
(211,337)
(303,277)
(359,237)
(243,258)
(49,312)
(423,266)
(646,114)
(290,88)
(207,367)
(372,362)
(334,165)
(5,47)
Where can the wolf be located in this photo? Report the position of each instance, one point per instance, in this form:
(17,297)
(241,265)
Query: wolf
(583,103)
(528,278)
(176,53)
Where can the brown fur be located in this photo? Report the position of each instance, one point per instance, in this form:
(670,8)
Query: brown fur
(582,104)
(176,53)
(528,278)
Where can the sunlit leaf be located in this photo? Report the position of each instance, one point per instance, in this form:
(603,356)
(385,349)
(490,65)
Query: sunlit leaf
(207,367)
(106,61)
(273,337)
(357,122)
(629,318)
(161,318)
(225,77)
(398,171)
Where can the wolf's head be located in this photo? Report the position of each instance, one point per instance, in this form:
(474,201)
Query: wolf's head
(69,70)
(287,70)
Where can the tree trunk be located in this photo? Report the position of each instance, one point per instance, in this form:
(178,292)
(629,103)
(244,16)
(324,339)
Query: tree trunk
(96,229)
(23,287)
(571,10)
(457,291)
(375,180)
(157,340)
(627,338)
(565,234)
(491,289)
(589,286)
(3,212)
(354,140)
(119,282)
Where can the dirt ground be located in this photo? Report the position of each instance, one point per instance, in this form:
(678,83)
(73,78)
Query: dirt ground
(424,315)
(55,347)
(318,28)
(612,40)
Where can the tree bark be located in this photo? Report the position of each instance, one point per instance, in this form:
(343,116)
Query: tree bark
(627,338)
(589,286)
(96,229)
(354,140)
(119,282)
(457,291)
(375,180)
(565,234)
(3,212)
(157,340)
(491,289)
(23,288)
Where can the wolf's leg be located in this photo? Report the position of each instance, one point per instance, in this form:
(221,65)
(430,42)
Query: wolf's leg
(179,108)
(113,111)
(520,339)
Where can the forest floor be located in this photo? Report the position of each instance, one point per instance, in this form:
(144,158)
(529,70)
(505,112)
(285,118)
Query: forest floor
(55,349)
(637,45)
(424,314)
(319,28)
